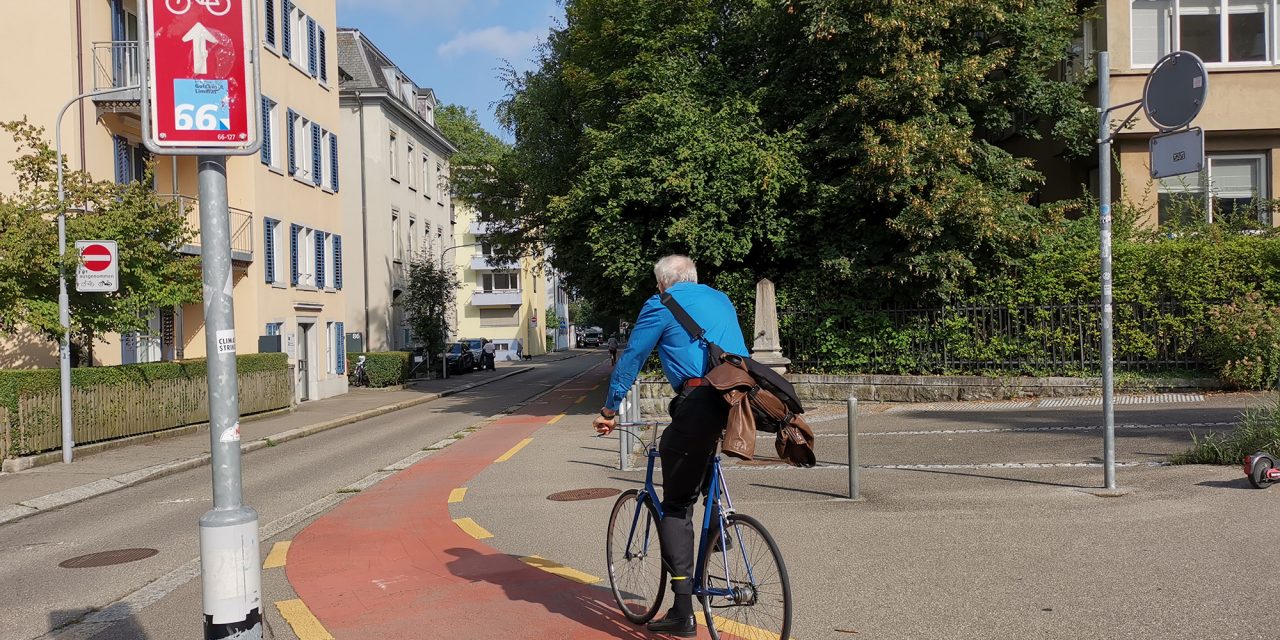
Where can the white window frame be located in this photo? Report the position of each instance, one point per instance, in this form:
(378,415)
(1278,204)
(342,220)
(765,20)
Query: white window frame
(330,277)
(274,130)
(326,160)
(393,140)
(413,175)
(438,187)
(489,282)
(302,148)
(330,341)
(280,241)
(1209,192)
(426,176)
(413,235)
(397,241)
(1173,30)
(307,258)
(299,33)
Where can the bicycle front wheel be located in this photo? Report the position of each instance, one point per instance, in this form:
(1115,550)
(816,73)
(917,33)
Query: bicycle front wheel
(634,557)
(752,598)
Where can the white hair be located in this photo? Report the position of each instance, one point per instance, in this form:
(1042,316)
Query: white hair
(674,268)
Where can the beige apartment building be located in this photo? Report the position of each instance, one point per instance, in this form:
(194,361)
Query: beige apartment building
(398,206)
(1237,40)
(286,212)
(502,302)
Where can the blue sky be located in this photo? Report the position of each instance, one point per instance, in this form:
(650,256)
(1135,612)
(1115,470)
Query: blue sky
(456,46)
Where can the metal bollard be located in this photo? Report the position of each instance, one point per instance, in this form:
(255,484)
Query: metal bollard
(855,490)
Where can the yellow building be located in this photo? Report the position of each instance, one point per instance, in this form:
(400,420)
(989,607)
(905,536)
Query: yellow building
(502,302)
(286,215)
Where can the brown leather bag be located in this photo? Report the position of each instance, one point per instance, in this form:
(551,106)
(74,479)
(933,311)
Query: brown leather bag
(794,441)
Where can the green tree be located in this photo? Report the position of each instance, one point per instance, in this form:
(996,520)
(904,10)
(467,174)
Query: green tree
(478,150)
(147,229)
(846,147)
(428,299)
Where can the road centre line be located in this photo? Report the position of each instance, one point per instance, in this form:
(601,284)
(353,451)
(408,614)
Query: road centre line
(456,495)
(580,400)
(724,625)
(278,556)
(474,530)
(560,570)
(304,623)
(514,450)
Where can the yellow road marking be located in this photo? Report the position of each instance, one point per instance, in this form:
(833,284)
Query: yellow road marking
(304,623)
(514,450)
(555,419)
(595,387)
(560,570)
(580,400)
(457,494)
(279,553)
(474,530)
(737,629)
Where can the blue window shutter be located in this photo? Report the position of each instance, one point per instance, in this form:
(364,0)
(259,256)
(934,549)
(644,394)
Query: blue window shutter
(269,248)
(337,262)
(118,50)
(316,168)
(128,348)
(324,57)
(271,22)
(294,231)
(311,46)
(122,160)
(286,28)
(266,130)
(293,146)
(319,260)
(333,162)
(340,348)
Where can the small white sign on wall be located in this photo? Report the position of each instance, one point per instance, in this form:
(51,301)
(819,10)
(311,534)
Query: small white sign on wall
(291,345)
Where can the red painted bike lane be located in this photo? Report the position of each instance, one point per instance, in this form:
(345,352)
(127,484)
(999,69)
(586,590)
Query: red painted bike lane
(391,564)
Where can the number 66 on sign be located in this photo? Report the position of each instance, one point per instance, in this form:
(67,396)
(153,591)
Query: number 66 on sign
(202,91)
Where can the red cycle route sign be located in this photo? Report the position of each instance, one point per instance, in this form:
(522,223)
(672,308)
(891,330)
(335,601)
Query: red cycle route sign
(201,86)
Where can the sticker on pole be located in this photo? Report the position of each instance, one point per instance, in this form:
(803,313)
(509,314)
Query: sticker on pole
(226,339)
(99,267)
(201,88)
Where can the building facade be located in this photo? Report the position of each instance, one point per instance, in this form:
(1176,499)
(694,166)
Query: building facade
(505,303)
(398,206)
(1237,40)
(286,214)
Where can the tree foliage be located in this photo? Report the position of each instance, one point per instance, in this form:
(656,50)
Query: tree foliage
(836,146)
(428,299)
(147,230)
(478,150)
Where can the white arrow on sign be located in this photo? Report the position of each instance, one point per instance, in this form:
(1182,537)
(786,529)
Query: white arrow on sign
(200,39)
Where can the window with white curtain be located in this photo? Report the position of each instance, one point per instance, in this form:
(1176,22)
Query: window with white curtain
(1236,183)
(1219,31)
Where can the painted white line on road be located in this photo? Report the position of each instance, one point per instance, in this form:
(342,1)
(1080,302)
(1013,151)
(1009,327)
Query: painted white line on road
(964,406)
(1092,427)
(1162,398)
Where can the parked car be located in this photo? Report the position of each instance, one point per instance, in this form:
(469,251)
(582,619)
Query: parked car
(458,358)
(477,350)
(592,339)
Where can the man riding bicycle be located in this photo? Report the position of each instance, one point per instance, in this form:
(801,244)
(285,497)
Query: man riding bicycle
(698,413)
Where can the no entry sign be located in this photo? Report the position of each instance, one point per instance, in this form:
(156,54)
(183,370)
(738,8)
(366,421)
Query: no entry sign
(99,268)
(201,89)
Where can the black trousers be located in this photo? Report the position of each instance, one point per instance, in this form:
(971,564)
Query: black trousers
(698,416)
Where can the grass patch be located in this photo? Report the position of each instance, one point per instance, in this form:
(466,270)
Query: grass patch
(348,490)
(1259,430)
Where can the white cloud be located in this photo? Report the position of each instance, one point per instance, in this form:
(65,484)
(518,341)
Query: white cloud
(498,41)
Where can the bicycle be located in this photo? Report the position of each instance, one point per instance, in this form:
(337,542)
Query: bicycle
(740,580)
(359,377)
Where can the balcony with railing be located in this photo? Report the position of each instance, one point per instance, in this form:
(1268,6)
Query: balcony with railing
(483,262)
(117,64)
(496,298)
(241,228)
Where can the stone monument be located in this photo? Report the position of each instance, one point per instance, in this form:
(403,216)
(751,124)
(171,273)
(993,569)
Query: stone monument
(767,349)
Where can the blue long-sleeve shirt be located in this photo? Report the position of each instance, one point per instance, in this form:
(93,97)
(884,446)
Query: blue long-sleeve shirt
(682,357)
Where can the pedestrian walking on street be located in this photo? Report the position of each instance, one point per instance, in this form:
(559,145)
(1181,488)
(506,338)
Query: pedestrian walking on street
(613,349)
(490,350)
(519,349)
(698,412)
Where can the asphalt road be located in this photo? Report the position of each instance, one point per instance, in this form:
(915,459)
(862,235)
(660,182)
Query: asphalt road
(288,485)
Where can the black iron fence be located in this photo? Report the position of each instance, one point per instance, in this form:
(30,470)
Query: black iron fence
(1020,339)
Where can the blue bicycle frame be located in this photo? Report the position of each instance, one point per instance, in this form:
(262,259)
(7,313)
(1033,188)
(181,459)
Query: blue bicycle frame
(717,489)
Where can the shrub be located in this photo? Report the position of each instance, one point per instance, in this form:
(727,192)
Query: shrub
(1259,430)
(1243,341)
(384,368)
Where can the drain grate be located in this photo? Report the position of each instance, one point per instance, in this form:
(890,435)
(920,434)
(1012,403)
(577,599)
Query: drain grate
(583,494)
(107,558)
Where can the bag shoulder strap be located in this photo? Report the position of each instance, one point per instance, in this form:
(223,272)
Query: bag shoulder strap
(683,317)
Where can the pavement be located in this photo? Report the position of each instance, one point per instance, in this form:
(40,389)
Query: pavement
(44,488)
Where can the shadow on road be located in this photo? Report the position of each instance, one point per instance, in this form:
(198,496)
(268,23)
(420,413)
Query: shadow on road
(127,629)
(994,477)
(1239,483)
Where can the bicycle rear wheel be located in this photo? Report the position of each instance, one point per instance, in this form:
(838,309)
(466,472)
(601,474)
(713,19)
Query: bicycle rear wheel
(751,571)
(634,557)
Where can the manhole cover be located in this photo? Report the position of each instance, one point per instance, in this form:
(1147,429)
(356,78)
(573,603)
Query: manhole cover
(107,558)
(583,494)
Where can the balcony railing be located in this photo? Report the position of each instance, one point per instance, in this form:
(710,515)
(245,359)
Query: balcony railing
(116,65)
(481,262)
(241,228)
(507,298)
(478,228)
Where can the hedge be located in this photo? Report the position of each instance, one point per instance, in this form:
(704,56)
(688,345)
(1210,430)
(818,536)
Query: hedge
(384,368)
(14,383)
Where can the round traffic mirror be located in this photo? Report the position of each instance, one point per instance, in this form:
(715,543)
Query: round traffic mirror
(1175,91)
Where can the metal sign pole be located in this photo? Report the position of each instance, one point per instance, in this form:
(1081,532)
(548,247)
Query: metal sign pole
(229,561)
(1104,197)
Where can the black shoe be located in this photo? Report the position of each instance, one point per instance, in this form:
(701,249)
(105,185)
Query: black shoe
(685,627)
(724,542)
